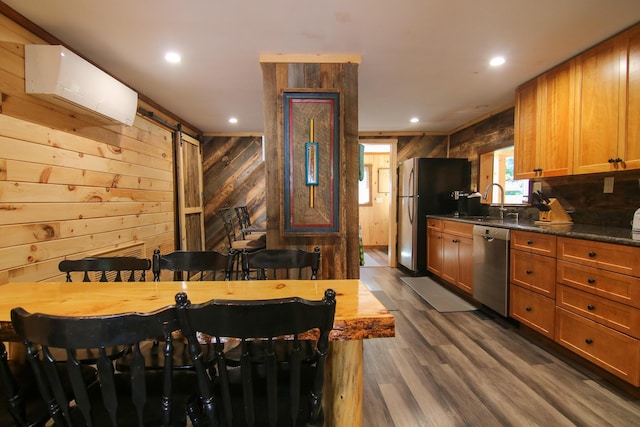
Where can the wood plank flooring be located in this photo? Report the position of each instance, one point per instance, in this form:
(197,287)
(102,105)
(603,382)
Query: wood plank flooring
(475,369)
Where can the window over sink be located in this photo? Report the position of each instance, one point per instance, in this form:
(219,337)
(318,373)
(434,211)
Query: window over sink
(498,166)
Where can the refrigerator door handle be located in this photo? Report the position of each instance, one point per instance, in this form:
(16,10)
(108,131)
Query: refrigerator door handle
(411,182)
(412,194)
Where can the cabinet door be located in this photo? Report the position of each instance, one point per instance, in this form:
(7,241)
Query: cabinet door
(555,135)
(525,131)
(600,74)
(630,150)
(450,257)
(532,309)
(434,251)
(465,264)
(616,352)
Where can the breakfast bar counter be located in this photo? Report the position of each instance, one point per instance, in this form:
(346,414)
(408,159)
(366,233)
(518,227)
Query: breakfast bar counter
(359,315)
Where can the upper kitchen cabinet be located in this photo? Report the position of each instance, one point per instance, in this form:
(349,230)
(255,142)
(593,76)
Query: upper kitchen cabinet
(606,121)
(631,150)
(543,140)
(525,143)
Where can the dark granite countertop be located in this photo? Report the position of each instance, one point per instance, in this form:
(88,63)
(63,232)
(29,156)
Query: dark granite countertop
(622,236)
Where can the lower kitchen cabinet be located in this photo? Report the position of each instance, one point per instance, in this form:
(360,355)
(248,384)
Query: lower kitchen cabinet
(532,309)
(598,304)
(532,278)
(616,352)
(434,246)
(615,315)
(536,272)
(457,254)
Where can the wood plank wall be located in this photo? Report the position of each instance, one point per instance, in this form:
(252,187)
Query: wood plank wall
(234,175)
(69,186)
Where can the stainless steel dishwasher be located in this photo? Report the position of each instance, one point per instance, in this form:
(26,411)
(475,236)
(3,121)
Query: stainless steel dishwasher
(491,267)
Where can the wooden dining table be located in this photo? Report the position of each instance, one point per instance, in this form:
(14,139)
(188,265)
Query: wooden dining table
(359,315)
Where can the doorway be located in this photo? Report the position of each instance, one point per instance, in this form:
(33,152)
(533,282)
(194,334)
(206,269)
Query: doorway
(378,205)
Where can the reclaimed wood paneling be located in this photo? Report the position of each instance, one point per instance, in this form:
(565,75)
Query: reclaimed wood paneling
(234,175)
(488,135)
(340,253)
(69,186)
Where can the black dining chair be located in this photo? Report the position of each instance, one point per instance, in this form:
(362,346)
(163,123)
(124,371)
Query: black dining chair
(281,264)
(187,266)
(104,269)
(136,397)
(249,231)
(107,269)
(260,394)
(193,265)
(236,242)
(20,402)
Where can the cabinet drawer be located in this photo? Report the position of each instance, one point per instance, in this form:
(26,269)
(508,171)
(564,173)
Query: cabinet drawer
(618,287)
(617,316)
(532,309)
(608,256)
(459,228)
(434,223)
(616,352)
(535,272)
(542,244)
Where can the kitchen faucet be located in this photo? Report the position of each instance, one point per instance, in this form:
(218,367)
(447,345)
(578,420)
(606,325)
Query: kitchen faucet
(486,196)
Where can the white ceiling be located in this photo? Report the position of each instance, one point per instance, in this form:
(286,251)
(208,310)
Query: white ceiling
(423,58)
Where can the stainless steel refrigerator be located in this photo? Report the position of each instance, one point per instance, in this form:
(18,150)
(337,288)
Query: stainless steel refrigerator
(424,187)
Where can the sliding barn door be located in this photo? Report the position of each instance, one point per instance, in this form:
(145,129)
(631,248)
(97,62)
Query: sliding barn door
(189,193)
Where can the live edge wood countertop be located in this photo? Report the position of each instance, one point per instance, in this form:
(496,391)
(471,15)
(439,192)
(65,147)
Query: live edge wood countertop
(359,315)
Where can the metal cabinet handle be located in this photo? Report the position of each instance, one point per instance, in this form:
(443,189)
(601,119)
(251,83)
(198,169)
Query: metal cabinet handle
(589,341)
(528,308)
(528,271)
(529,242)
(591,280)
(592,254)
(591,307)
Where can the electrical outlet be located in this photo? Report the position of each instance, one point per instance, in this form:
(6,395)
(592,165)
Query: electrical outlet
(608,184)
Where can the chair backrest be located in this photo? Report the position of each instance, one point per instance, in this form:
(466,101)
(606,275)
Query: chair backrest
(193,265)
(17,407)
(229,226)
(107,269)
(247,321)
(121,396)
(281,264)
(243,216)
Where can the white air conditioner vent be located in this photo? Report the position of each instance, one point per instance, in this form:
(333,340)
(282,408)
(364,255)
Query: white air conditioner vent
(54,73)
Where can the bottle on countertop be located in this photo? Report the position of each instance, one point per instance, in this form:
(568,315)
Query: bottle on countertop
(635,226)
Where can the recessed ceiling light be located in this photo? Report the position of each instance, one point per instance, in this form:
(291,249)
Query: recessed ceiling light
(497,61)
(233,120)
(172,57)
(414,120)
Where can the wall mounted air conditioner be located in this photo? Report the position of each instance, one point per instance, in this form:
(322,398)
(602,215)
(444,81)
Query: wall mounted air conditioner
(54,73)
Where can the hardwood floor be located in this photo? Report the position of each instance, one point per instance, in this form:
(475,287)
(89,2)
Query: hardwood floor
(475,369)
